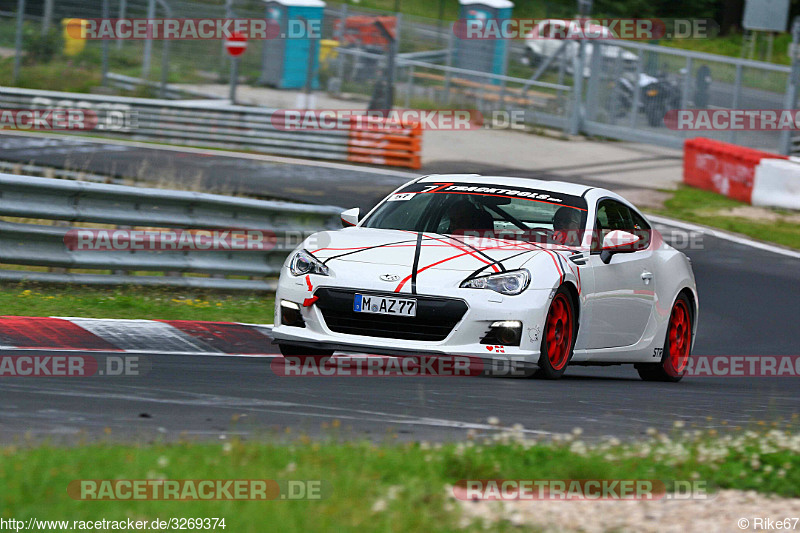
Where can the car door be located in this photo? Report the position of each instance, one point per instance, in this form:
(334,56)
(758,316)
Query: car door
(624,296)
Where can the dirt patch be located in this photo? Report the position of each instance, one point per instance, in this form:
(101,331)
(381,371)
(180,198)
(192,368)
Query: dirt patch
(759,214)
(645,198)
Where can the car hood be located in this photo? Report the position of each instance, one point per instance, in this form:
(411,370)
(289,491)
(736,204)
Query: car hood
(400,248)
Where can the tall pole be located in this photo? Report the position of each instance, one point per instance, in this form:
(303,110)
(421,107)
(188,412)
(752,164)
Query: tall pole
(312,49)
(123,7)
(148,43)
(18,40)
(234,79)
(106,43)
(48,16)
(439,24)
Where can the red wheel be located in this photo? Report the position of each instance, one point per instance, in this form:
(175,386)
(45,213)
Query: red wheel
(679,338)
(677,346)
(559,337)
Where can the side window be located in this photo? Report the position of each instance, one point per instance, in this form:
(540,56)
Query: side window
(613,215)
(642,229)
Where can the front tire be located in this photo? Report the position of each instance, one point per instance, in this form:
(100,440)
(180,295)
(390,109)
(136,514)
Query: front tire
(677,346)
(558,338)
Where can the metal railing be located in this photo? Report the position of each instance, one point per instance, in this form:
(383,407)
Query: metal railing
(36,244)
(170,92)
(214,124)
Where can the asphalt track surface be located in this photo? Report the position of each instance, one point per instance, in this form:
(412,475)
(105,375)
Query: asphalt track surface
(748,300)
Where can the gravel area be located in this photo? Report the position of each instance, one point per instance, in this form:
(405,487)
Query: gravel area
(722,512)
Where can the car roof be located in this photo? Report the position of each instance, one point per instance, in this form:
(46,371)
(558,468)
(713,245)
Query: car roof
(563,187)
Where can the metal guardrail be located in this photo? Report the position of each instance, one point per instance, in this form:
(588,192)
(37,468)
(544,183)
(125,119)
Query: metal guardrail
(27,244)
(172,92)
(215,124)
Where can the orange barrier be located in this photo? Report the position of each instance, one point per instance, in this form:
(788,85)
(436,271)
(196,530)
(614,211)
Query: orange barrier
(390,143)
(360,30)
(724,168)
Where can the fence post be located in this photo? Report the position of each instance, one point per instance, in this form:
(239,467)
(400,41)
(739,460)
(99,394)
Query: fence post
(687,86)
(409,85)
(262,78)
(737,92)
(148,43)
(18,41)
(593,87)
(577,91)
(123,8)
(341,57)
(636,93)
(106,15)
(450,46)
(790,98)
(47,17)
(399,17)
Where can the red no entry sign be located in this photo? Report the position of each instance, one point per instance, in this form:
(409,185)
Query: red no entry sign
(236,44)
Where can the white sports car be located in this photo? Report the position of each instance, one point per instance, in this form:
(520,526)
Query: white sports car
(547,273)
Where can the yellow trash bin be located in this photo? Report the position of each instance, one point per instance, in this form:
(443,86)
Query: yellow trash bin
(73,31)
(327,50)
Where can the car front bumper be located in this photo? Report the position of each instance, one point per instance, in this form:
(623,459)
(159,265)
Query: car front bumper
(483,307)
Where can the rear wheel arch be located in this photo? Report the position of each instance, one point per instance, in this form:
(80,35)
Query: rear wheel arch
(692,302)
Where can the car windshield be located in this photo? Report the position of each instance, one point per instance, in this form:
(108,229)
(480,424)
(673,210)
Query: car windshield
(477,209)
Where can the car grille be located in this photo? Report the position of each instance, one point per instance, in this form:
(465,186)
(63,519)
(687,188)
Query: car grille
(436,317)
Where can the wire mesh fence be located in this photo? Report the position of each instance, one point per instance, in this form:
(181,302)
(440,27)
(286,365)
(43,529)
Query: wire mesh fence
(637,95)
(616,89)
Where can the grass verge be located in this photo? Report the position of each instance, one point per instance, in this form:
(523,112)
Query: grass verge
(704,207)
(26,299)
(387,486)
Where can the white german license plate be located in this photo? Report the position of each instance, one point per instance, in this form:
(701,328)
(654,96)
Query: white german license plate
(381,305)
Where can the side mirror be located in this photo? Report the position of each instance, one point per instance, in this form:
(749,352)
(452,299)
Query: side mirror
(618,242)
(350,217)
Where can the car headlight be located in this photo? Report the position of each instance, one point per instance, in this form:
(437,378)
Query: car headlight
(304,263)
(510,283)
